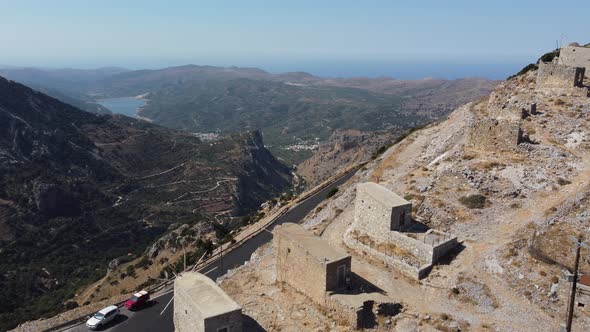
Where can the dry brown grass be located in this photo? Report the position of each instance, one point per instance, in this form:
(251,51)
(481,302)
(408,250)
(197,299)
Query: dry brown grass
(554,246)
(391,249)
(550,211)
(488,165)
(388,249)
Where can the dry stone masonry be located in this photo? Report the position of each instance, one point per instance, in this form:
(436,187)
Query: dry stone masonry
(565,75)
(202,306)
(322,272)
(575,56)
(555,79)
(308,263)
(492,133)
(383,227)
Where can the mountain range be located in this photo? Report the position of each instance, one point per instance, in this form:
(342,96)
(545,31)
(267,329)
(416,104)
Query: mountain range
(78,190)
(295,111)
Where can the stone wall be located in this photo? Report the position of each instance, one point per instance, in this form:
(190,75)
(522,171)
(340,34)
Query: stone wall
(201,306)
(371,232)
(491,133)
(302,271)
(443,248)
(231,320)
(554,78)
(362,310)
(412,268)
(575,57)
(376,218)
(187,316)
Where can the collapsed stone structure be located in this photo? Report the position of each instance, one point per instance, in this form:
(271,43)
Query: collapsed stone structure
(555,79)
(383,228)
(493,133)
(565,75)
(200,305)
(575,56)
(323,273)
(500,128)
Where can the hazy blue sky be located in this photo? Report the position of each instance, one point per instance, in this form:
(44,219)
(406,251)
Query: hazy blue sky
(299,34)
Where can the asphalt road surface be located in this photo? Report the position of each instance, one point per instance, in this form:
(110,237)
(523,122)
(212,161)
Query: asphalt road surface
(157,315)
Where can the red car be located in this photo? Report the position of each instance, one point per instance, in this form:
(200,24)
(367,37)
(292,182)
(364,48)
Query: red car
(137,300)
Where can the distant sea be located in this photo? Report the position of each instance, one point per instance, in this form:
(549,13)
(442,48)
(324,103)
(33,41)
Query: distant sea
(124,105)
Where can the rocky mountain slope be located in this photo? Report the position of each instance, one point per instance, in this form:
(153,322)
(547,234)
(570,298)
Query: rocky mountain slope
(343,149)
(67,85)
(509,175)
(293,110)
(78,189)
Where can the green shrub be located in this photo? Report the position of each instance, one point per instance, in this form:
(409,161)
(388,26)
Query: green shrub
(131,271)
(473,201)
(549,56)
(71,305)
(332,192)
(144,263)
(246,220)
(220,230)
(379,151)
(526,69)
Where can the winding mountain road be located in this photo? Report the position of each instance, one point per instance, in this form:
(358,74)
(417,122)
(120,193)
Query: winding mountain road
(158,316)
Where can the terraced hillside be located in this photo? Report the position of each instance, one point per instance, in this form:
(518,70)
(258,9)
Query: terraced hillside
(78,190)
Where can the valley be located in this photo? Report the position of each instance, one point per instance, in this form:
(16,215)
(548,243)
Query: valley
(128,106)
(288,108)
(74,183)
(322,166)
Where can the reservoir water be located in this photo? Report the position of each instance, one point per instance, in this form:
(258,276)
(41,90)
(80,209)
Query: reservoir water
(124,105)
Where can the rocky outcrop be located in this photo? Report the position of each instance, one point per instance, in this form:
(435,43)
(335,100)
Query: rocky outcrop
(262,175)
(343,148)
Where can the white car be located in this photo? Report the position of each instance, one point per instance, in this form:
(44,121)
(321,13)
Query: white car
(102,317)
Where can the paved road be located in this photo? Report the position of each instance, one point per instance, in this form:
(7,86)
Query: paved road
(155,318)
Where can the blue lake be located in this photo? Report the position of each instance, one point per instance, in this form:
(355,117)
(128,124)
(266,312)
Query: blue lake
(123,105)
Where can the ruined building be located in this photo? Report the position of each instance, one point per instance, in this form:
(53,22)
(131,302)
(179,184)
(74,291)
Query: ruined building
(493,133)
(384,228)
(201,306)
(566,75)
(308,263)
(322,272)
(555,79)
(574,55)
